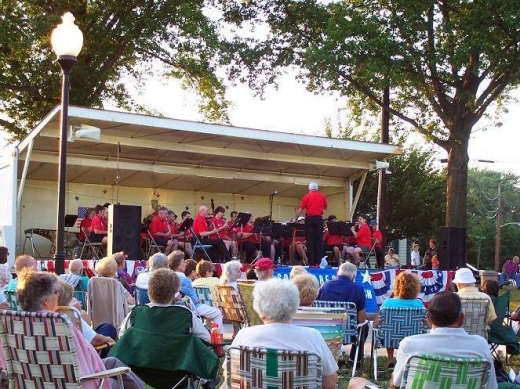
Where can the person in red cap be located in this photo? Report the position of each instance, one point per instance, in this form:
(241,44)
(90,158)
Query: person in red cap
(264,269)
(314,203)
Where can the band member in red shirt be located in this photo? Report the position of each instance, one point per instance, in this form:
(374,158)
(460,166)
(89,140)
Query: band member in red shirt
(161,231)
(377,236)
(179,236)
(84,226)
(314,203)
(99,226)
(298,245)
(218,221)
(335,243)
(201,227)
(363,238)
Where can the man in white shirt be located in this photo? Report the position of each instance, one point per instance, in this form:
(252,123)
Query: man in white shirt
(447,338)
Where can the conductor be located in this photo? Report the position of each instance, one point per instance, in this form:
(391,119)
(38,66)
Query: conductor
(314,203)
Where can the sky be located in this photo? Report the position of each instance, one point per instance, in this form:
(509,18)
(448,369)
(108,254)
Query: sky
(291,108)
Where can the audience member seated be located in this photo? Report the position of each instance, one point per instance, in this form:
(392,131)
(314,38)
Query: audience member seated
(264,269)
(177,264)
(251,274)
(510,271)
(308,287)
(276,301)
(406,289)
(5,272)
(123,277)
(231,273)
(391,259)
(75,276)
(447,338)
(37,291)
(465,282)
(107,267)
(162,288)
(190,269)
(103,334)
(205,270)
(344,288)
(20,263)
(156,261)
(296,270)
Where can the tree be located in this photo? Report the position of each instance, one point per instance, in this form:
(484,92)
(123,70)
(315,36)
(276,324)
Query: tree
(445,61)
(482,213)
(123,40)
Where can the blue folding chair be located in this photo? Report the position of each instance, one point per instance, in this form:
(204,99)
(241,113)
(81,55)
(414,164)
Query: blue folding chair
(395,324)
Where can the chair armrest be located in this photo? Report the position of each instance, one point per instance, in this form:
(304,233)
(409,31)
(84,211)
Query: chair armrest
(105,345)
(106,374)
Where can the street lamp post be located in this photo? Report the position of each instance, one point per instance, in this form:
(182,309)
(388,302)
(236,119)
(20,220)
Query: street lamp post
(67,40)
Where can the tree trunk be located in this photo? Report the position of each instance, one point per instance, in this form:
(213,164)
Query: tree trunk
(457,184)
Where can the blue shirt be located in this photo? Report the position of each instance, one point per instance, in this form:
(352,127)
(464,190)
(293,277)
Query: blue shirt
(187,288)
(343,289)
(397,302)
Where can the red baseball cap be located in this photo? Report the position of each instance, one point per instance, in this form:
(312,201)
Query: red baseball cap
(264,264)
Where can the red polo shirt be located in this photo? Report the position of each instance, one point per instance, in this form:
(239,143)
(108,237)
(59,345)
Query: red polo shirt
(314,203)
(200,225)
(364,236)
(158,225)
(98,224)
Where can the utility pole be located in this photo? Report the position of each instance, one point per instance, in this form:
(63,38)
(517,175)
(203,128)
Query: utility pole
(498,225)
(382,192)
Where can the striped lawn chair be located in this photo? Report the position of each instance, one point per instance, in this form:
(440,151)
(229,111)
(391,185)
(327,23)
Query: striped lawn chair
(246,293)
(475,315)
(330,322)
(227,299)
(432,372)
(260,368)
(40,352)
(204,295)
(354,331)
(395,324)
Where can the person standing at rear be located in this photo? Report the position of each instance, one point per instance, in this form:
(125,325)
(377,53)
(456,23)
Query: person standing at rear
(314,203)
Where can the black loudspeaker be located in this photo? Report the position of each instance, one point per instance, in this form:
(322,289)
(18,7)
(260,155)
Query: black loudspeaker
(451,249)
(124,230)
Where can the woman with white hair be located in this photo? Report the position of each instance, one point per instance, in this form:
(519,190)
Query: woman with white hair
(231,273)
(156,261)
(276,301)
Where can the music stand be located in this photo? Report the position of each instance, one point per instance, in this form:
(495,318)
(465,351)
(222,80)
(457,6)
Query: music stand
(339,228)
(241,220)
(262,225)
(186,225)
(70,220)
(281,230)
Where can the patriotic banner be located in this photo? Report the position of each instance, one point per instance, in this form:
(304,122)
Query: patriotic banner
(432,282)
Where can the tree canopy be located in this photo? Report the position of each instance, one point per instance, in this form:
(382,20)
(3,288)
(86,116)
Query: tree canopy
(122,42)
(446,62)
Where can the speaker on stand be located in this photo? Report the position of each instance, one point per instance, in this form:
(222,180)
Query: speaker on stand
(124,230)
(451,248)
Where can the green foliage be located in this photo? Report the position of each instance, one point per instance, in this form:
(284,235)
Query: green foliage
(482,212)
(445,62)
(415,197)
(122,41)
